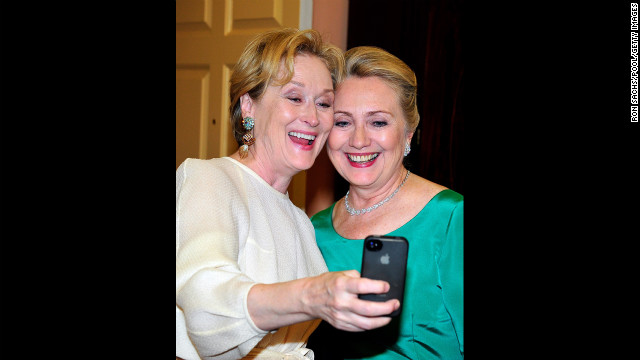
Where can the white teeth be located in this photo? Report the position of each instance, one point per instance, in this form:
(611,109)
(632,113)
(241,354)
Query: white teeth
(302,136)
(362,158)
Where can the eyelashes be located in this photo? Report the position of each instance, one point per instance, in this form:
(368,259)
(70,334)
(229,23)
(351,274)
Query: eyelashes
(322,103)
(342,122)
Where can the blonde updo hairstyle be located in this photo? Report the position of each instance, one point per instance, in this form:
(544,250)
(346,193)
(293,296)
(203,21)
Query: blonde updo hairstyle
(365,61)
(259,66)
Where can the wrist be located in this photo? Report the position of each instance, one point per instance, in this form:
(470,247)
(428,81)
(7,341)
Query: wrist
(305,300)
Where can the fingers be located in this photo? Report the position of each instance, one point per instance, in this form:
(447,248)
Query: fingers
(354,285)
(365,315)
(362,324)
(374,308)
(339,304)
(359,285)
(351,273)
(367,286)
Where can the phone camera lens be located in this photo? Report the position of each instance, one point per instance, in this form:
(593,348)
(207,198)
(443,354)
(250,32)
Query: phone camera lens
(374,245)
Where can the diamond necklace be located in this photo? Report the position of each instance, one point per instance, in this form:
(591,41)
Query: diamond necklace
(353,211)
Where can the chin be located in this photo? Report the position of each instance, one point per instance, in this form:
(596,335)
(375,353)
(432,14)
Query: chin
(304,164)
(358,177)
(304,160)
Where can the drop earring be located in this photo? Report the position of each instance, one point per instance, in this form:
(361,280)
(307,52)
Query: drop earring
(247,138)
(407,149)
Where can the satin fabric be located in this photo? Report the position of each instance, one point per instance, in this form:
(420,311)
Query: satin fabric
(431,325)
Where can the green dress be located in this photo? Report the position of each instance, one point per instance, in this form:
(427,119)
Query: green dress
(431,325)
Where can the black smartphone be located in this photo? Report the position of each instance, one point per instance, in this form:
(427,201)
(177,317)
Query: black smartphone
(385,258)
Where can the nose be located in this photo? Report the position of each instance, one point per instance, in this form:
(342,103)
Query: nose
(310,115)
(359,138)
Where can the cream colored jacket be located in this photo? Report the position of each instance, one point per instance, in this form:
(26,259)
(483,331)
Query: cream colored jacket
(234,230)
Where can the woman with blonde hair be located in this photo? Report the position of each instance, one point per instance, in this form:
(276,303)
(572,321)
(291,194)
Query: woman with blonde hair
(375,117)
(250,280)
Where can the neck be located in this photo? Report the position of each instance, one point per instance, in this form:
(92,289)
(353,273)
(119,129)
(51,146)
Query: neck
(277,181)
(360,198)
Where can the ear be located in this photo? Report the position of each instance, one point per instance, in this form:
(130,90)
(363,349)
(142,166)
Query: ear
(409,137)
(246,105)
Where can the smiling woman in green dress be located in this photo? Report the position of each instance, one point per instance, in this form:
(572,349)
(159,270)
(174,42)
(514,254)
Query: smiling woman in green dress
(375,116)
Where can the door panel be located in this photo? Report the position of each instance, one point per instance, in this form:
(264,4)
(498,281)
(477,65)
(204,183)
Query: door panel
(192,93)
(210,35)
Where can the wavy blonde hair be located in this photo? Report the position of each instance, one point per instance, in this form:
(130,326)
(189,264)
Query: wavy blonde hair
(259,65)
(364,61)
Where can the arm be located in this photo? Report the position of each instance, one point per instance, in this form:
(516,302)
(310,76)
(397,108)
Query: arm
(331,296)
(211,289)
(452,271)
(228,312)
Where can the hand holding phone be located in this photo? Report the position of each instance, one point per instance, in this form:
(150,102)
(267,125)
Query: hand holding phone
(385,258)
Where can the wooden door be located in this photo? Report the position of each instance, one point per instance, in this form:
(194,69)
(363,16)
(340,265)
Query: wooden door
(210,35)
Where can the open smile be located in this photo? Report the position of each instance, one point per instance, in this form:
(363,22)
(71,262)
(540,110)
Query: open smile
(300,138)
(362,159)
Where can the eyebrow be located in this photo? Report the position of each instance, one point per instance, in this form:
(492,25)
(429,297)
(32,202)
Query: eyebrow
(302,86)
(368,113)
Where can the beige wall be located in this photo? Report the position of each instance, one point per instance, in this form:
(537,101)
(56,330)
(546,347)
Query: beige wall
(209,38)
(330,18)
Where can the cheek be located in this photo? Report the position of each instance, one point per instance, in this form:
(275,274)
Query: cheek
(390,141)
(326,120)
(335,140)
(386,142)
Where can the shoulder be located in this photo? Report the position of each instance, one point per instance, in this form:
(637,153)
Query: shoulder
(322,217)
(212,175)
(191,165)
(440,199)
(323,225)
(422,191)
(451,197)
(214,168)
(449,203)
